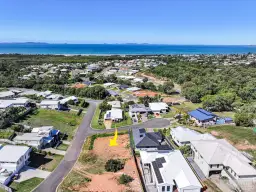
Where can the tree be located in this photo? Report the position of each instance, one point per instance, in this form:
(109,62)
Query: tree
(145,79)
(125,179)
(114,165)
(168,87)
(104,106)
(244,119)
(185,150)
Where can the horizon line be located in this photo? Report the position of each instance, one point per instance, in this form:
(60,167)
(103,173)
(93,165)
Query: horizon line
(174,44)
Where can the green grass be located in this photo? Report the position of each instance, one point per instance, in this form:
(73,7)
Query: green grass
(95,120)
(226,114)
(27,185)
(63,147)
(170,114)
(126,122)
(59,119)
(45,162)
(235,134)
(188,106)
(5,134)
(73,179)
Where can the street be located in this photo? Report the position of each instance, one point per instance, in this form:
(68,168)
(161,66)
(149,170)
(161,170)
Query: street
(51,183)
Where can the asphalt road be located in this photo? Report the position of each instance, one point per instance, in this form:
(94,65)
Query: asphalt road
(51,183)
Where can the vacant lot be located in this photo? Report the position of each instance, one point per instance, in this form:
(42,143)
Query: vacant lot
(27,185)
(90,169)
(95,120)
(66,122)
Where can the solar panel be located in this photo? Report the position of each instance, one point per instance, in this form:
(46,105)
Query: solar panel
(157,172)
(161,160)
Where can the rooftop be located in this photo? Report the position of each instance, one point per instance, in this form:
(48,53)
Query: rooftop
(201,114)
(12,153)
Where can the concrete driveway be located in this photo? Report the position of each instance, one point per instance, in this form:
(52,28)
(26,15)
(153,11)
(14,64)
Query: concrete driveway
(30,172)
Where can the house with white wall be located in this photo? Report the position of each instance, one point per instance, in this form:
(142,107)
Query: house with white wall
(12,160)
(114,115)
(219,157)
(159,107)
(168,171)
(50,104)
(183,136)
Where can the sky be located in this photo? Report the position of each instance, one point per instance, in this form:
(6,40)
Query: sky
(208,22)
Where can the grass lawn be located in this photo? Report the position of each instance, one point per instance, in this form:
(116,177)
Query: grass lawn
(63,147)
(226,114)
(72,179)
(95,120)
(27,185)
(66,122)
(235,134)
(46,162)
(5,134)
(126,122)
(187,106)
(170,114)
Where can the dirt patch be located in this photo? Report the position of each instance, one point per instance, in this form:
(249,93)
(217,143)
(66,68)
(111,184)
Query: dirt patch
(107,181)
(122,151)
(152,78)
(215,133)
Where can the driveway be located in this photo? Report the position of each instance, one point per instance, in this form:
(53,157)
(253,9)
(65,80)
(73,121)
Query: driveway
(30,172)
(196,168)
(84,130)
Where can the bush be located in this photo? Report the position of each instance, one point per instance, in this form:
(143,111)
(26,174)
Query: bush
(72,123)
(125,179)
(84,104)
(17,128)
(114,165)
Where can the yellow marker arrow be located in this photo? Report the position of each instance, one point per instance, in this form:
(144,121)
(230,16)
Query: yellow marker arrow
(112,142)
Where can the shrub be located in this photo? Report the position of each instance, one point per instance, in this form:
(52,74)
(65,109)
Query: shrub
(72,123)
(17,128)
(125,179)
(114,165)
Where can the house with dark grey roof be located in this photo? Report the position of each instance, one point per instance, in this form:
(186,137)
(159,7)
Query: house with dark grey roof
(149,141)
(138,108)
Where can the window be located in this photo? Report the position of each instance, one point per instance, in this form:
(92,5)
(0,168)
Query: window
(168,188)
(218,166)
(210,166)
(163,188)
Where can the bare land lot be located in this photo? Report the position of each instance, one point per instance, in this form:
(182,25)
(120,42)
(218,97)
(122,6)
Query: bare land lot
(90,167)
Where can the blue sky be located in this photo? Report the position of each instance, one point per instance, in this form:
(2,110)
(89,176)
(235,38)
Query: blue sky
(129,21)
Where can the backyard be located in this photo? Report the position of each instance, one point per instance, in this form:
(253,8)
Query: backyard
(47,162)
(89,172)
(66,122)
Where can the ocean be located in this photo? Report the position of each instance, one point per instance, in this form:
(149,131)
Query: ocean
(120,49)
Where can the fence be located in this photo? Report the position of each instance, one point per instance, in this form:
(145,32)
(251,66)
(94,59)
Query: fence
(137,164)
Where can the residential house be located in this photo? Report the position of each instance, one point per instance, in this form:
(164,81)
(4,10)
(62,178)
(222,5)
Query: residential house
(202,117)
(132,89)
(168,171)
(108,85)
(44,94)
(115,104)
(159,107)
(19,102)
(6,94)
(12,159)
(122,87)
(184,136)
(4,104)
(50,104)
(39,137)
(89,83)
(154,141)
(114,115)
(112,93)
(218,156)
(138,108)
(71,98)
